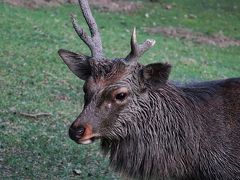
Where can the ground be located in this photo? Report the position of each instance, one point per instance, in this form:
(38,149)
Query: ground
(34,80)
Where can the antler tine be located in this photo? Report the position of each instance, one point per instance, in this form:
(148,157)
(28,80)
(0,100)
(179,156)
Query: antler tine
(138,50)
(94,42)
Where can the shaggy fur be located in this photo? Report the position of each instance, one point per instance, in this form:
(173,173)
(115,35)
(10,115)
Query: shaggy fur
(174,132)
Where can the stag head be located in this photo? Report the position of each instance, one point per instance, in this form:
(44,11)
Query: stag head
(114,88)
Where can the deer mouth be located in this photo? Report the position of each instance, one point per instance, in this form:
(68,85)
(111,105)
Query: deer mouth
(88,139)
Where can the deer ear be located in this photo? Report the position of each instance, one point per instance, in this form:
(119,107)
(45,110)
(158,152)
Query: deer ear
(77,63)
(156,74)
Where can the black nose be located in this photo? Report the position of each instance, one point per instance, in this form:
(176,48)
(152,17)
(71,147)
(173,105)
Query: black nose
(76,133)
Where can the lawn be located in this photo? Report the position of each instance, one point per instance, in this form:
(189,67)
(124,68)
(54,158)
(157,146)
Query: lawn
(33,79)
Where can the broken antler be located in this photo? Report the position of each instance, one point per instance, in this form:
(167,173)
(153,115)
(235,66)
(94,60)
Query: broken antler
(138,49)
(94,42)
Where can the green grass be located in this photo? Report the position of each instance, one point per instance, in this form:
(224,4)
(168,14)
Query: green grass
(34,79)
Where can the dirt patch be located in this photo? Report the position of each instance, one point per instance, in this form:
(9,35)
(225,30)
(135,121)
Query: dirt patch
(35,3)
(104,5)
(116,6)
(217,39)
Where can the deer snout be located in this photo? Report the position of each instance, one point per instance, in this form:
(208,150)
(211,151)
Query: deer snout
(82,134)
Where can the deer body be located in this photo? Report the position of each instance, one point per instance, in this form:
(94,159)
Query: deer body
(151,128)
(182,133)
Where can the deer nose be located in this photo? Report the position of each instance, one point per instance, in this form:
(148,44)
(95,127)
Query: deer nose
(76,133)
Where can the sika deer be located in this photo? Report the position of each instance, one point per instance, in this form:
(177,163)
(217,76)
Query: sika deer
(151,128)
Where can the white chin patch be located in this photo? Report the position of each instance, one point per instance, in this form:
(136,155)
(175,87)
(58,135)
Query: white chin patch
(88,141)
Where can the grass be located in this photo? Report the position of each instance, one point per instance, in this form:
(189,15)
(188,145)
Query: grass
(33,78)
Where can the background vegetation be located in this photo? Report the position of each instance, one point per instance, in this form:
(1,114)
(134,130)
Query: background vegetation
(33,79)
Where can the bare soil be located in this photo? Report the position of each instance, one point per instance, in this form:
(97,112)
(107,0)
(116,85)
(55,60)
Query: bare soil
(217,39)
(104,5)
(116,6)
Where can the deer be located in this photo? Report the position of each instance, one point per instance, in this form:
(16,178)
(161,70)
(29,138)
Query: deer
(148,126)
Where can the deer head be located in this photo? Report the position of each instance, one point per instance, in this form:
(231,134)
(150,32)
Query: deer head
(114,88)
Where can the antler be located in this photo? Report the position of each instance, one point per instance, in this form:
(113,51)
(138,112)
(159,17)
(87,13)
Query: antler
(94,42)
(138,49)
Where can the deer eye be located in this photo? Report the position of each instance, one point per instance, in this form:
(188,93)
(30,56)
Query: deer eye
(121,96)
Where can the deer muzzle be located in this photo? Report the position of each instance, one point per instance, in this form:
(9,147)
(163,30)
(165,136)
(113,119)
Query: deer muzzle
(82,134)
